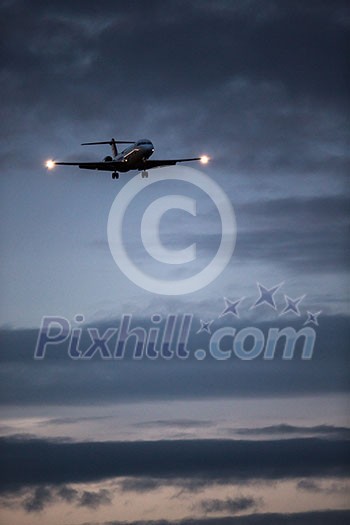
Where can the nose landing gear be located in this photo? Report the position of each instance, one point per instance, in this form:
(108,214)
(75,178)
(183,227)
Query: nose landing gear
(115,175)
(144,174)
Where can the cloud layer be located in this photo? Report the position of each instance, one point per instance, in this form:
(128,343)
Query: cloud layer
(37,461)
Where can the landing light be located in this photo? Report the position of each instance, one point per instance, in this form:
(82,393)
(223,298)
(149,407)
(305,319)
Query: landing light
(204,159)
(50,164)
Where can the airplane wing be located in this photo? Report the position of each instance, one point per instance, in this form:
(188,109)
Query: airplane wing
(113,165)
(102,166)
(149,164)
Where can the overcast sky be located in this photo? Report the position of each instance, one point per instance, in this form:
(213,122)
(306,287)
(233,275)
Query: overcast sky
(262,88)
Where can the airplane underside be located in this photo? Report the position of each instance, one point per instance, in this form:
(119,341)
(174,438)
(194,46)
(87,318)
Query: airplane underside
(144,174)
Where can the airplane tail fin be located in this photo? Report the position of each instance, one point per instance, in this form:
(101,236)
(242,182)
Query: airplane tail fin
(113,143)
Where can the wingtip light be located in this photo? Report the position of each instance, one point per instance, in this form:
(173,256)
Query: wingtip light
(205,159)
(50,164)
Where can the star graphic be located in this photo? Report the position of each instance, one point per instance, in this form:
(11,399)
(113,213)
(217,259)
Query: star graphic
(292,305)
(231,307)
(312,318)
(266,296)
(205,327)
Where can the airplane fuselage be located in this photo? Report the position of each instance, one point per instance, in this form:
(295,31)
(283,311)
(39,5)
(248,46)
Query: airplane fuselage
(133,157)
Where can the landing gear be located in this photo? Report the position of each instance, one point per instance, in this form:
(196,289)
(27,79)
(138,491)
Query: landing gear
(115,175)
(144,174)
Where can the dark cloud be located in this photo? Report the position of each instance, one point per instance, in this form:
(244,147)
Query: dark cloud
(37,499)
(318,430)
(230,505)
(279,68)
(298,230)
(140,484)
(67,493)
(41,497)
(185,485)
(325,517)
(293,231)
(72,420)
(38,461)
(61,380)
(94,499)
(183,423)
(251,41)
(320,487)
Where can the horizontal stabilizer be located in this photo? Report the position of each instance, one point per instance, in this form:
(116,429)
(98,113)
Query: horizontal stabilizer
(110,142)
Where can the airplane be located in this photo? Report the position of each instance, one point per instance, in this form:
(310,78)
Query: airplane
(134,157)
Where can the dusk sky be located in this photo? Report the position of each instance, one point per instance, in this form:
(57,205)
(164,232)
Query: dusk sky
(262,88)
